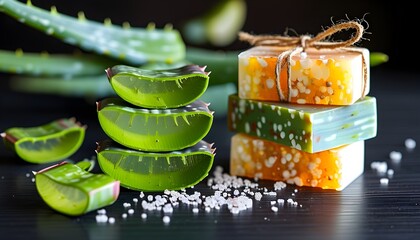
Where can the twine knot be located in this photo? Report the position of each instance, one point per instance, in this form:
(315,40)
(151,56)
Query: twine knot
(299,44)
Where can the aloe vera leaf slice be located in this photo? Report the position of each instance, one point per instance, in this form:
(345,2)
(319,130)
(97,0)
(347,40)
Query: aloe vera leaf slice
(52,65)
(168,88)
(149,171)
(50,142)
(153,129)
(132,45)
(69,189)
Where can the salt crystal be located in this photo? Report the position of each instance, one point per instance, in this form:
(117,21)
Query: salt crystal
(166,219)
(143,215)
(101,218)
(135,200)
(124,215)
(258,196)
(195,210)
(395,156)
(141,195)
(274,209)
(111,220)
(410,143)
(101,211)
(390,172)
(384,181)
(131,211)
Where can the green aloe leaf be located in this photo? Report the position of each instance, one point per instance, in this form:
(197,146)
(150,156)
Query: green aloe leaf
(71,190)
(148,171)
(51,142)
(168,88)
(52,65)
(153,129)
(131,45)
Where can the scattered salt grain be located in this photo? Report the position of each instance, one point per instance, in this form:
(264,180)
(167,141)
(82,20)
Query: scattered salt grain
(135,200)
(195,210)
(384,181)
(274,209)
(166,219)
(130,211)
(279,185)
(33,179)
(141,195)
(258,196)
(126,205)
(28,175)
(101,211)
(111,220)
(280,201)
(272,202)
(395,156)
(207,209)
(380,167)
(101,218)
(410,143)
(150,198)
(124,215)
(390,172)
(143,216)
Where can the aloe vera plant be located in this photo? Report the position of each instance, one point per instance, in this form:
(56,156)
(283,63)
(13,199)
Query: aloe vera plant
(132,45)
(72,190)
(168,88)
(154,130)
(149,171)
(50,142)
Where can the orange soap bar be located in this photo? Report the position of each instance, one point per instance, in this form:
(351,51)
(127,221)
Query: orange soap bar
(330,169)
(326,77)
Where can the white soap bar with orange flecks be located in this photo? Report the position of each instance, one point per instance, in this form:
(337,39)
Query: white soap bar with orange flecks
(330,169)
(326,77)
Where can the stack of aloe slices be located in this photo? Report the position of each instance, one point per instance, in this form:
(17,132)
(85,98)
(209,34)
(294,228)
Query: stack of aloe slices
(156,126)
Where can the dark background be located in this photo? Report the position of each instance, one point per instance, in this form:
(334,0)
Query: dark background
(392,24)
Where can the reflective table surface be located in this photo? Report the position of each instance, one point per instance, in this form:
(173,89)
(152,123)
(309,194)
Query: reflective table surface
(366,209)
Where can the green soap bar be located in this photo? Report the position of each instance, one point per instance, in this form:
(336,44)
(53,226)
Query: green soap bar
(149,171)
(154,130)
(50,142)
(310,128)
(72,190)
(169,88)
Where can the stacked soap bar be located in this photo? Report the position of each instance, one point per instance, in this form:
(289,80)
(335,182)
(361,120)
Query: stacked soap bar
(303,122)
(329,77)
(335,168)
(309,128)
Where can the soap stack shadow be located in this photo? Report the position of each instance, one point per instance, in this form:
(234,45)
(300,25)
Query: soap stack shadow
(303,122)
(156,128)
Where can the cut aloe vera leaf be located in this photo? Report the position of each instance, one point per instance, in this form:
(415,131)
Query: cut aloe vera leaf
(168,88)
(148,171)
(128,44)
(56,65)
(51,142)
(153,129)
(71,190)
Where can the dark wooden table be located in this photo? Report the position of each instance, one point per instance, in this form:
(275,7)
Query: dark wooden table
(364,210)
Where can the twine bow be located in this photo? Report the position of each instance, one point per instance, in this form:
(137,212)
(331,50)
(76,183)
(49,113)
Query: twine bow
(301,43)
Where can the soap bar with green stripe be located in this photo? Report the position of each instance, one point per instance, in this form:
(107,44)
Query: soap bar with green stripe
(310,128)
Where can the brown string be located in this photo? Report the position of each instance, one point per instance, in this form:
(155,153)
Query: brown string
(301,43)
